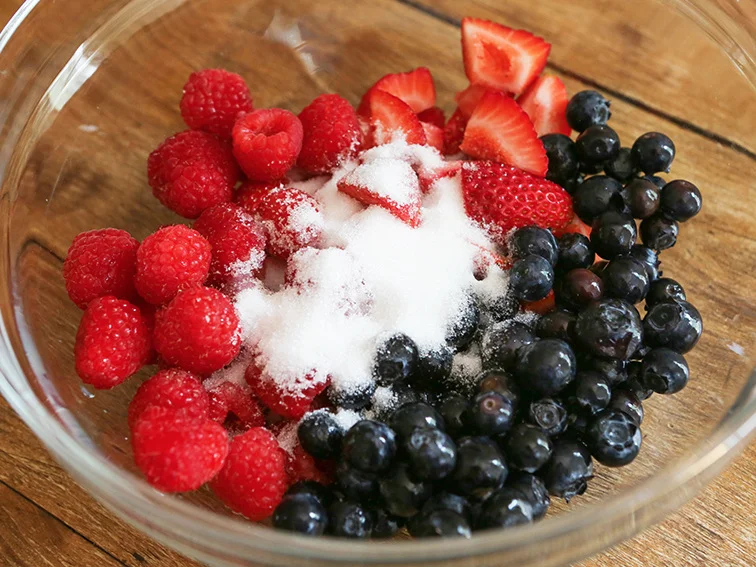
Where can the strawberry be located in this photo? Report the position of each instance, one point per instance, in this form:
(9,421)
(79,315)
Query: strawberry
(388,183)
(575,225)
(454,131)
(501,197)
(433,115)
(469,98)
(500,130)
(415,88)
(389,115)
(429,175)
(434,136)
(542,306)
(545,103)
(501,58)
(488,257)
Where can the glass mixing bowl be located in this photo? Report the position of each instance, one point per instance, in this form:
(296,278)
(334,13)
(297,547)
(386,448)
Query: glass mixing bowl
(90,88)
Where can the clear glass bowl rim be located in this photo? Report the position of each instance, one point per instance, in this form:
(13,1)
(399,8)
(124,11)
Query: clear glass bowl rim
(207,535)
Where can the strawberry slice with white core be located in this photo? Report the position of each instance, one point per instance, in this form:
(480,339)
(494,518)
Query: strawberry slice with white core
(434,136)
(499,130)
(415,88)
(389,116)
(469,98)
(388,183)
(428,175)
(501,58)
(545,102)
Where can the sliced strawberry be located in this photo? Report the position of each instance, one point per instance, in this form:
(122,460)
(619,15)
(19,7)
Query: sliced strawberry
(575,225)
(388,183)
(388,116)
(542,306)
(415,88)
(545,102)
(434,136)
(433,115)
(469,98)
(501,58)
(500,130)
(454,132)
(429,175)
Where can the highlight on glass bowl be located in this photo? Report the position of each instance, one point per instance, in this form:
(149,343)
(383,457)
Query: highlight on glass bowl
(433,303)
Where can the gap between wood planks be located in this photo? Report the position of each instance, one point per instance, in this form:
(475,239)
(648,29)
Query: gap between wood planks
(684,124)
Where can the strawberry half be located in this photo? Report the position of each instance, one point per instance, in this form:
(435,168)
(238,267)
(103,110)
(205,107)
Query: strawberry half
(433,115)
(469,98)
(545,103)
(388,183)
(415,88)
(500,130)
(501,58)
(434,136)
(454,132)
(501,197)
(389,115)
(429,175)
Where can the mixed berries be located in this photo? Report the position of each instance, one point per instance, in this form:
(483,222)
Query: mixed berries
(539,371)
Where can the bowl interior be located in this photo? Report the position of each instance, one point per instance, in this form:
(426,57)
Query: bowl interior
(82,162)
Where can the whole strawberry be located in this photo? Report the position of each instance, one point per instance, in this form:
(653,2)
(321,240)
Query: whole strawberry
(213,99)
(331,134)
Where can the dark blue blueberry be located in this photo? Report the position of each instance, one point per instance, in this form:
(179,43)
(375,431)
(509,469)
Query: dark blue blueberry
(385,525)
(548,414)
(595,196)
(597,144)
(663,290)
(665,371)
(634,382)
(448,501)
(673,324)
(562,156)
(531,278)
(590,168)
(499,381)
(621,167)
(497,309)
(491,413)
(395,359)
(586,109)
(546,367)
(502,341)
(431,453)
(403,495)
(567,473)
(613,234)
(369,446)
(350,520)
(354,398)
(626,278)
(680,200)
(643,198)
(592,391)
(534,240)
(626,401)
(610,328)
(653,152)
(301,513)
(557,324)
(660,182)
(613,370)
(527,448)
(439,523)
(505,508)
(480,467)
(411,416)
(452,409)
(314,489)
(575,251)
(613,438)
(464,325)
(320,435)
(648,258)
(578,288)
(433,370)
(659,232)
(355,484)
(533,490)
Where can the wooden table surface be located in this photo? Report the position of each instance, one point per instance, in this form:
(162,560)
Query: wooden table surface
(46,520)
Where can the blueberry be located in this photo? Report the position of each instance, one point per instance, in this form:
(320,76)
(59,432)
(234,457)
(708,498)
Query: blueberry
(597,144)
(411,416)
(610,328)
(660,182)
(403,394)
(505,508)
(659,232)
(499,308)
(480,467)
(663,290)
(533,490)
(572,184)
(599,267)
(680,200)
(491,413)
(546,366)
(587,108)
(653,152)
(575,251)
(634,382)
(499,381)
(627,402)
(528,448)
(557,324)
(579,287)
(613,370)
(355,398)
(301,513)
(613,234)
(626,278)
(643,198)
(431,453)
(665,371)
(590,168)
(648,258)
(562,156)
(439,523)
(464,325)
(568,471)
(548,414)
(314,489)
(673,324)
(501,343)
(595,196)
(320,434)
(355,484)
(385,525)
(348,519)
(621,167)
(369,446)
(448,501)
(534,240)
(395,359)
(402,494)
(452,410)
(613,438)
(531,278)
(592,391)
(433,370)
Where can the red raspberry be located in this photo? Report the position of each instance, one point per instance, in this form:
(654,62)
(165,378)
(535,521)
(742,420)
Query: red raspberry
(192,171)
(177,453)
(302,466)
(228,397)
(292,219)
(267,143)
(112,342)
(237,240)
(213,100)
(331,134)
(251,193)
(253,480)
(198,331)
(290,402)
(100,262)
(173,388)
(171,260)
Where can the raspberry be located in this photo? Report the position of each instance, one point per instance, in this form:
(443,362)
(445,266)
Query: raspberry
(112,342)
(302,466)
(198,331)
(100,262)
(331,134)
(267,143)
(292,219)
(250,194)
(228,397)
(253,480)
(173,388)
(171,260)
(192,171)
(237,240)
(290,402)
(177,453)
(213,99)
